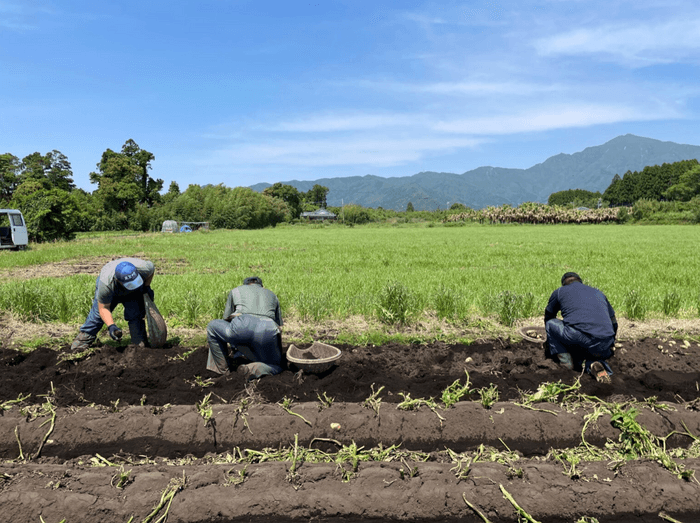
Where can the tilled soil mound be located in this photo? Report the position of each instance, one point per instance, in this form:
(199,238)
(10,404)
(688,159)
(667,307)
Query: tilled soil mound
(128,434)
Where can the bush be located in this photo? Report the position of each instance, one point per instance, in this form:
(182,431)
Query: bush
(355,214)
(395,303)
(50,214)
(644,208)
(623,215)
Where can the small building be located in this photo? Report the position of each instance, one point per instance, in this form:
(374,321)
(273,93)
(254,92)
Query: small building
(319,215)
(170,226)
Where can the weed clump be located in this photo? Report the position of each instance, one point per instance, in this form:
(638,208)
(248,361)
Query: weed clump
(635,305)
(510,306)
(446,303)
(671,304)
(394,305)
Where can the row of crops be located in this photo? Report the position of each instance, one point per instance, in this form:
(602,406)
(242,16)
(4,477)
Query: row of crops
(539,214)
(393,274)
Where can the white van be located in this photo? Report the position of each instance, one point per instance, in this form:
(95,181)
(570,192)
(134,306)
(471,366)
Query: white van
(13,230)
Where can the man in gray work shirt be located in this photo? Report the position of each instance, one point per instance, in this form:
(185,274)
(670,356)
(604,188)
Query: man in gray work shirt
(124,281)
(251,325)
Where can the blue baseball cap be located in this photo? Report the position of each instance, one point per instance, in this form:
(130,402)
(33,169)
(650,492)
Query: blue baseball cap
(127,274)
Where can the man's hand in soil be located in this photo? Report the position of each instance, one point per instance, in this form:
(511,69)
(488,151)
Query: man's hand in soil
(115,332)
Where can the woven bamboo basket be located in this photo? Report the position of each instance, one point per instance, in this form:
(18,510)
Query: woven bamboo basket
(316,359)
(533,334)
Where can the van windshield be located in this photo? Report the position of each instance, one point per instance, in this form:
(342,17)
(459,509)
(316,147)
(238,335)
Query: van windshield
(4,220)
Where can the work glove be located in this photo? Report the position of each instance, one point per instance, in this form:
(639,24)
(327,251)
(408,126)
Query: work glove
(147,290)
(115,332)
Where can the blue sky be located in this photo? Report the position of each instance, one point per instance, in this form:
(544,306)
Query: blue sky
(238,92)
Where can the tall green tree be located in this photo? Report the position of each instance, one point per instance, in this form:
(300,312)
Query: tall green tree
(172,194)
(9,175)
(52,170)
(150,187)
(123,181)
(688,186)
(288,194)
(317,195)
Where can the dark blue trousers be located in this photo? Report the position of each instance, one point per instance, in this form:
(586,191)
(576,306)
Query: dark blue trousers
(256,337)
(581,346)
(134,309)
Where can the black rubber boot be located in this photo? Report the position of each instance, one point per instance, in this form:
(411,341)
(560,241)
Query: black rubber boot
(137,330)
(82,341)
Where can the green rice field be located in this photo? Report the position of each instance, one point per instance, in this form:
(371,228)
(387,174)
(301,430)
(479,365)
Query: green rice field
(398,273)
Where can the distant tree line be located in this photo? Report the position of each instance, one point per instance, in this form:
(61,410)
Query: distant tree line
(678,181)
(127,197)
(670,181)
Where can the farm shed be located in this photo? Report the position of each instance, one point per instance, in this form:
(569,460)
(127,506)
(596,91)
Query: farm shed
(319,214)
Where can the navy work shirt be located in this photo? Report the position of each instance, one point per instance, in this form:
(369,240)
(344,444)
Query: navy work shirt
(584,308)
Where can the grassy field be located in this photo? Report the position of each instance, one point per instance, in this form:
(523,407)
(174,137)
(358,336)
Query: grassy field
(398,274)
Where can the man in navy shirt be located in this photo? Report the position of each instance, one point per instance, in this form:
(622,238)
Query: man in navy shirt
(587,330)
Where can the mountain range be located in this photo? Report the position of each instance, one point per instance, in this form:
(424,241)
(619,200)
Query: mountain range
(592,169)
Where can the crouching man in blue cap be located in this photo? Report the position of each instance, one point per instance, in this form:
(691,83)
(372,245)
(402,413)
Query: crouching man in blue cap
(124,281)
(587,330)
(251,325)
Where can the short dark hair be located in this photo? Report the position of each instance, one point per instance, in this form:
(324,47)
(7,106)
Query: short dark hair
(252,279)
(570,277)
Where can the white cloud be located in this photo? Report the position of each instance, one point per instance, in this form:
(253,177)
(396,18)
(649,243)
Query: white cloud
(398,139)
(465,87)
(354,122)
(16,26)
(556,117)
(14,16)
(646,42)
(459,15)
(359,151)
(424,19)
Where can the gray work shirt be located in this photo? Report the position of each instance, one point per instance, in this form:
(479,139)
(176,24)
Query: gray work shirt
(107,285)
(253,299)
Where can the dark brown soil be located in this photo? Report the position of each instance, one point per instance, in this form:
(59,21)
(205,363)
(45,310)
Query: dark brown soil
(158,377)
(135,408)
